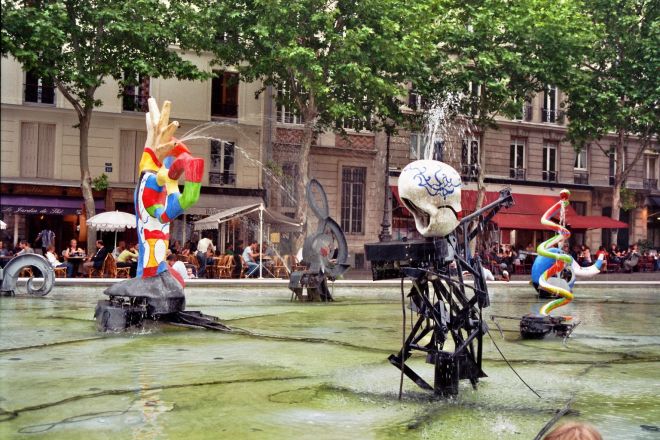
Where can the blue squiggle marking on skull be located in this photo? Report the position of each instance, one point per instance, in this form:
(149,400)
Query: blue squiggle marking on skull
(442,184)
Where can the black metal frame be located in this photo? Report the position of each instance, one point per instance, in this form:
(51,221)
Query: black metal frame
(445,308)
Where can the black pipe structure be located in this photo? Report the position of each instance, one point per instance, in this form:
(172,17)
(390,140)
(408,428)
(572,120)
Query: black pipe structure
(449,327)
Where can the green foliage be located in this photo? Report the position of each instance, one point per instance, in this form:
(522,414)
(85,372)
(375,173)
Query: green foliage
(100,183)
(628,199)
(511,50)
(339,60)
(645,245)
(617,88)
(81,44)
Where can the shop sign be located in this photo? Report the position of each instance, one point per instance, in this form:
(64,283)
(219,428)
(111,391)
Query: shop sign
(38,211)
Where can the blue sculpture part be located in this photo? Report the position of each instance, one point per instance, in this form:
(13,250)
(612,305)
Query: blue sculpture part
(438,183)
(14,267)
(541,264)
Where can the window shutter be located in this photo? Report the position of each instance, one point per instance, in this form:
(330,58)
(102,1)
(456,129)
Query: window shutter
(127,166)
(46,151)
(29,148)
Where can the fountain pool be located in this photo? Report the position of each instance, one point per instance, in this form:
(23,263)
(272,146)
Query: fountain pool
(317,370)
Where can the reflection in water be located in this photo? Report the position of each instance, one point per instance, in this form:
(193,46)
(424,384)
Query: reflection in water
(307,371)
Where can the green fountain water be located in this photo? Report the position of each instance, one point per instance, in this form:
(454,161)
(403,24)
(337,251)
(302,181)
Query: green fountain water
(317,370)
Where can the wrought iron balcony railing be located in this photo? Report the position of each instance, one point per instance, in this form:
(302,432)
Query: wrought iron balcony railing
(518,173)
(132,102)
(222,178)
(651,184)
(39,94)
(581,177)
(549,176)
(552,115)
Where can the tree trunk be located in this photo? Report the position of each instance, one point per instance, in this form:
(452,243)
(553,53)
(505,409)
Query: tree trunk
(618,182)
(85,176)
(310,116)
(481,186)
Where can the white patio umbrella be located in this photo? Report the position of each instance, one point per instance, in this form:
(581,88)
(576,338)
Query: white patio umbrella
(3,225)
(112,221)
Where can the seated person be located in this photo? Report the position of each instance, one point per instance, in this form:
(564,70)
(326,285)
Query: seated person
(128,258)
(631,259)
(121,246)
(51,256)
(25,248)
(250,256)
(177,266)
(96,260)
(73,250)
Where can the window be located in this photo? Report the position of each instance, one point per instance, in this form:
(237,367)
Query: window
(549,173)
(288,195)
(651,179)
(135,96)
(549,109)
(287,113)
(517,159)
(353,181)
(416,101)
(221,172)
(417,146)
(475,94)
(579,207)
(525,112)
(131,146)
(224,94)
(37,150)
(355,124)
(613,162)
(581,159)
(39,90)
(470,157)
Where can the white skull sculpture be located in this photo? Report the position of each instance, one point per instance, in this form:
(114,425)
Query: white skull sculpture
(431,190)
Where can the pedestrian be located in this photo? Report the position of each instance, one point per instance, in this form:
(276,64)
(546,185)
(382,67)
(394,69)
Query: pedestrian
(203,246)
(47,238)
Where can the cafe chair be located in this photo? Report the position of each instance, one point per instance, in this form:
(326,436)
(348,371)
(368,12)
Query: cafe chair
(60,272)
(93,272)
(280,270)
(225,266)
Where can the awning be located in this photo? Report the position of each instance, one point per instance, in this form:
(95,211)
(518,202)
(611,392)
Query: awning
(284,223)
(210,204)
(518,221)
(526,204)
(594,222)
(44,205)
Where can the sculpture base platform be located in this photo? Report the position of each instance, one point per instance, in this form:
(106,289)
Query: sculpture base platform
(119,314)
(538,326)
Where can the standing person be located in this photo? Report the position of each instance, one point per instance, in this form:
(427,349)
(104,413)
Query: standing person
(47,238)
(96,260)
(51,256)
(178,266)
(250,256)
(203,246)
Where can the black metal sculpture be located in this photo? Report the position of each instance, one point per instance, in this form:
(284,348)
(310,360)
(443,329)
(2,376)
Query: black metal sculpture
(440,299)
(325,252)
(9,275)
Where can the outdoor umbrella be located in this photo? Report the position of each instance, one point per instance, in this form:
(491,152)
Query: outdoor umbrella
(112,221)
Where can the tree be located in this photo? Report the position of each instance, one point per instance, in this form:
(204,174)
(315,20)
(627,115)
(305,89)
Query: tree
(616,89)
(500,53)
(340,60)
(78,45)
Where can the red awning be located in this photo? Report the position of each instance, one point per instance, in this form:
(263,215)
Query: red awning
(518,221)
(595,222)
(400,209)
(526,204)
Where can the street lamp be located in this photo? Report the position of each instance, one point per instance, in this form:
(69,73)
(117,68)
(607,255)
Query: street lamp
(385,232)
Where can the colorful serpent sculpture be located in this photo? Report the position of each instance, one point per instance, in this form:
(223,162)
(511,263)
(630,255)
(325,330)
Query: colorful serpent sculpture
(551,261)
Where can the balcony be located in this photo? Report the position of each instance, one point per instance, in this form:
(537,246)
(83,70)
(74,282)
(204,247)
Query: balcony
(222,178)
(552,115)
(469,171)
(132,102)
(549,176)
(518,173)
(581,177)
(651,184)
(39,94)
